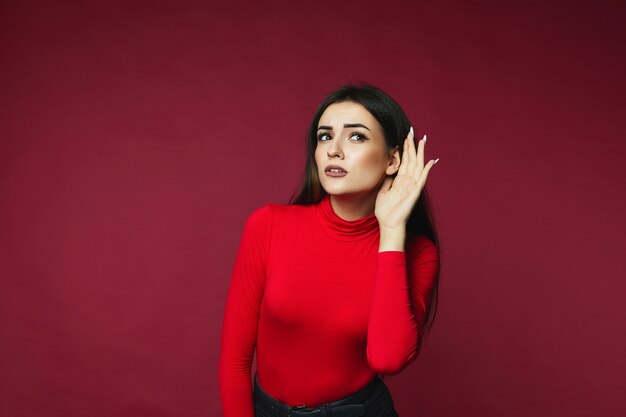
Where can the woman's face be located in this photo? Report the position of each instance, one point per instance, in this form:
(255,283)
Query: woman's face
(350,153)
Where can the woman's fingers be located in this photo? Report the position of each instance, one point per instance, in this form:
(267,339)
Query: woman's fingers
(405,153)
(420,156)
(413,158)
(426,170)
(411,153)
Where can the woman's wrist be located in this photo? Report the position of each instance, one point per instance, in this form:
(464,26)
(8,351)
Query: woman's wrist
(392,239)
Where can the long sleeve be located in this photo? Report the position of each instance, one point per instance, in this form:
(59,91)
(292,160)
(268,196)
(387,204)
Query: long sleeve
(402,292)
(241,316)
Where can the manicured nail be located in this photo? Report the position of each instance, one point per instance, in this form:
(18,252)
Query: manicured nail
(424,138)
(435,161)
(411,131)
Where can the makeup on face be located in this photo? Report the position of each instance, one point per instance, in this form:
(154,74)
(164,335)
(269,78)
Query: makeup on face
(351,155)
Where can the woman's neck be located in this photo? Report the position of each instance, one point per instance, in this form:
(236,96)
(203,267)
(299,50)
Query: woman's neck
(352,208)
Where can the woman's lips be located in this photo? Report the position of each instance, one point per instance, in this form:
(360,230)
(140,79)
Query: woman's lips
(335,171)
(335,174)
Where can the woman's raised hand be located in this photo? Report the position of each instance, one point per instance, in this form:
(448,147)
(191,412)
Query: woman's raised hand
(398,195)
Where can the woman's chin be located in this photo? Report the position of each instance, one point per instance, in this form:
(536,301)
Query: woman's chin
(343,193)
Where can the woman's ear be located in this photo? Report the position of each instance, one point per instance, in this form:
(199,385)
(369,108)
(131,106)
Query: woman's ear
(394,162)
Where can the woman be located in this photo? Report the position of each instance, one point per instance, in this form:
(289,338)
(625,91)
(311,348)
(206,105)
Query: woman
(335,288)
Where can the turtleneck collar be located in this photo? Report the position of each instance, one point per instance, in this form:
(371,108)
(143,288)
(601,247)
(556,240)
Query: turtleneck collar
(340,229)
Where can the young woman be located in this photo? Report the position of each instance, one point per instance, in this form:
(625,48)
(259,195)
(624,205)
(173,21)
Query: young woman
(336,288)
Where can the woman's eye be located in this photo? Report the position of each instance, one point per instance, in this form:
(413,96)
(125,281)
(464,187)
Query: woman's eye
(357,137)
(323,136)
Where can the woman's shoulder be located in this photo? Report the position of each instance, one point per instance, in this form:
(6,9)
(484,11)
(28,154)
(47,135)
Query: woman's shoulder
(421,245)
(272,212)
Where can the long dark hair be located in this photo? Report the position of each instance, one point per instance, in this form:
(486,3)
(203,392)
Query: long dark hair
(395,126)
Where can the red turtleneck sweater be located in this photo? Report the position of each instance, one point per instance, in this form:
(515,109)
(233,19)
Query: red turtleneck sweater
(325,310)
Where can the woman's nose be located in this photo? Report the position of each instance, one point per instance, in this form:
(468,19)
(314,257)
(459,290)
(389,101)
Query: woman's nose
(334,149)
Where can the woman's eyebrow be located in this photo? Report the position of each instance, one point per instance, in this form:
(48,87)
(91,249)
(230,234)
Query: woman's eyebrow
(346,125)
(357,125)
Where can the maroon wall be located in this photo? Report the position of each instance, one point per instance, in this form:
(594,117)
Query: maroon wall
(137,137)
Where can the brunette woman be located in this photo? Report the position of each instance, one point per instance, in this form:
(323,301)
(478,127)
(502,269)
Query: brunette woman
(339,286)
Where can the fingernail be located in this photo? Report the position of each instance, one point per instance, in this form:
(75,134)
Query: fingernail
(435,161)
(424,138)
(411,131)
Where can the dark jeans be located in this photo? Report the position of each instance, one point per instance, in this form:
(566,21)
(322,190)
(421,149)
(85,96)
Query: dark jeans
(372,401)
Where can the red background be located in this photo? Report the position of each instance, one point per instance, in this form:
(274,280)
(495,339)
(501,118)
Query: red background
(136,138)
